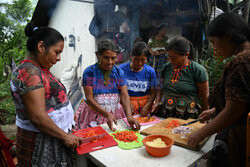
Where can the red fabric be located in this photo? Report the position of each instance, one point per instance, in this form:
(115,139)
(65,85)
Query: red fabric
(6,159)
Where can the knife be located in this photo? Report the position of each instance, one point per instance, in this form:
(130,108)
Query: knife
(89,139)
(189,123)
(149,116)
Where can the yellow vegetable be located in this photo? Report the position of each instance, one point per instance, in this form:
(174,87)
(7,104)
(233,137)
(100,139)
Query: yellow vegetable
(156,143)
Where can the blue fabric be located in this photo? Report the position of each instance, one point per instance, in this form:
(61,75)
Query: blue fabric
(139,83)
(93,76)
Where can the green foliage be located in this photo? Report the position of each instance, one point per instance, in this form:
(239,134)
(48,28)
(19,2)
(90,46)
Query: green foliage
(214,66)
(6,105)
(20,10)
(13,18)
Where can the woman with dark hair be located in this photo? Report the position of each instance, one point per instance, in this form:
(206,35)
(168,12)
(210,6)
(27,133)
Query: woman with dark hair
(104,85)
(230,97)
(157,48)
(44,114)
(183,81)
(141,80)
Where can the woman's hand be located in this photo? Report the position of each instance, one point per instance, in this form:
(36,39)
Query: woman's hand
(110,119)
(195,138)
(207,114)
(134,124)
(144,111)
(155,107)
(72,140)
(132,108)
(156,53)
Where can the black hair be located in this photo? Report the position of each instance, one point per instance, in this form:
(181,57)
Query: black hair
(107,44)
(230,24)
(140,48)
(48,35)
(161,26)
(137,39)
(181,46)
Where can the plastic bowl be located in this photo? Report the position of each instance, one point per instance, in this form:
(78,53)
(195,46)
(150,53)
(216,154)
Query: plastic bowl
(158,152)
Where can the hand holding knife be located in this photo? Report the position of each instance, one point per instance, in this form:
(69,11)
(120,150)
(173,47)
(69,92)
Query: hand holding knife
(89,139)
(149,116)
(189,123)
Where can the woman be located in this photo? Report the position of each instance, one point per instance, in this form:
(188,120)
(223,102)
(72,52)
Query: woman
(157,45)
(230,97)
(44,114)
(141,80)
(104,86)
(182,82)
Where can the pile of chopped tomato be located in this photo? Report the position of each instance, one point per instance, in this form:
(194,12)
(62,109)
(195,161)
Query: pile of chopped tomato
(126,136)
(173,123)
(144,119)
(88,133)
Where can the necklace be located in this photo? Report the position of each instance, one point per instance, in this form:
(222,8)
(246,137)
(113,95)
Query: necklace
(105,75)
(176,72)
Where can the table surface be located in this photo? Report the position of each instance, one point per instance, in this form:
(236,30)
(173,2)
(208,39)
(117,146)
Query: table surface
(115,156)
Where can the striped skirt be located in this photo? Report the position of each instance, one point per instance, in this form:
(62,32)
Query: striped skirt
(138,103)
(40,149)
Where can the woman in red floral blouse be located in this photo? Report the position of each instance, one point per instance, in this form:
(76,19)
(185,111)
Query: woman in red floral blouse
(44,114)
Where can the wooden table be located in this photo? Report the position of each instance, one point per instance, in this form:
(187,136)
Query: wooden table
(117,157)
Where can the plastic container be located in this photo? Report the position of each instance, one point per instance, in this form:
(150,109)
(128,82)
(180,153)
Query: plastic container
(156,151)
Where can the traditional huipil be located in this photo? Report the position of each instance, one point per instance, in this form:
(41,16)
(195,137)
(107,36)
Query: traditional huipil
(35,148)
(234,84)
(180,89)
(157,61)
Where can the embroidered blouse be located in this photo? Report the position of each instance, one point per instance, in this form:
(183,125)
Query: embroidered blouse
(27,77)
(93,76)
(183,81)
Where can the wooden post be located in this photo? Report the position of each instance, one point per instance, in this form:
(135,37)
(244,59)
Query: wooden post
(248,141)
(246,12)
(228,6)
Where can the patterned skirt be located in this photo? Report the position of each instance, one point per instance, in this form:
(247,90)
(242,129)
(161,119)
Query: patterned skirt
(39,149)
(138,103)
(86,117)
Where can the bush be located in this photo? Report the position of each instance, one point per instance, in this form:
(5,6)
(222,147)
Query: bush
(214,66)
(7,107)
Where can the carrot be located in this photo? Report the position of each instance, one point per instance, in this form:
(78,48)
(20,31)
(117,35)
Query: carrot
(126,136)
(144,119)
(88,133)
(173,123)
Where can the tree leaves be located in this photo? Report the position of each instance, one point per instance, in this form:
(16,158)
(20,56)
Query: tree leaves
(13,19)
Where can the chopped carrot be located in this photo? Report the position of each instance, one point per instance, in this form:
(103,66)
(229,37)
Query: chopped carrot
(88,133)
(173,123)
(144,119)
(126,136)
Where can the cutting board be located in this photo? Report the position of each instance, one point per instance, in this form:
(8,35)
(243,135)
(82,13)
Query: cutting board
(129,145)
(156,120)
(104,142)
(160,128)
